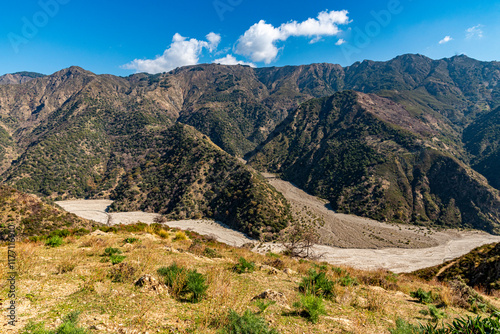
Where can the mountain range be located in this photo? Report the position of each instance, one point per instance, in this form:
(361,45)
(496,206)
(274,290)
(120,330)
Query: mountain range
(410,140)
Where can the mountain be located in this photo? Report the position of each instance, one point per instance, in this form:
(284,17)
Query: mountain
(96,136)
(369,156)
(482,140)
(75,134)
(18,77)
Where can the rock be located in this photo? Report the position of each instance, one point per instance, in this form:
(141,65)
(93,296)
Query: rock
(276,296)
(149,283)
(289,271)
(97,327)
(271,270)
(171,249)
(98,232)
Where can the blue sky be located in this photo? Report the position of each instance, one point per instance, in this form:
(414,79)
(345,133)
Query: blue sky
(124,37)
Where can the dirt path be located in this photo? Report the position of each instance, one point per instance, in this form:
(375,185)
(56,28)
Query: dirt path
(449,245)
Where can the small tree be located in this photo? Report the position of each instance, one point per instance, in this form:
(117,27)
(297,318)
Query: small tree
(299,239)
(160,219)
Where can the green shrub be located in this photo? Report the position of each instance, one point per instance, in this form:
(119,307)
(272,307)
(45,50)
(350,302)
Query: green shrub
(263,304)
(115,259)
(458,326)
(338,270)
(403,327)
(435,313)
(310,307)
(68,326)
(171,274)
(196,286)
(422,296)
(243,266)
(248,323)
(184,284)
(347,280)
(317,284)
(54,241)
(111,251)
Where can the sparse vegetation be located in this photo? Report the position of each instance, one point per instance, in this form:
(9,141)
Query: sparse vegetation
(68,326)
(247,323)
(54,241)
(310,307)
(183,283)
(317,284)
(243,266)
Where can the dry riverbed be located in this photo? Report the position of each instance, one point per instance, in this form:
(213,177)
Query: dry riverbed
(443,246)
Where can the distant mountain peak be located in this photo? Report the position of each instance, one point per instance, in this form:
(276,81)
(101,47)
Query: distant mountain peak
(19,77)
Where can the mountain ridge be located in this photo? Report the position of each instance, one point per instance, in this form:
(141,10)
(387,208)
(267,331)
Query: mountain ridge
(70,134)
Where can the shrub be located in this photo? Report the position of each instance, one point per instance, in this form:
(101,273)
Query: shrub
(248,323)
(116,259)
(180,235)
(347,280)
(211,253)
(124,272)
(111,251)
(184,284)
(264,304)
(310,307)
(196,286)
(317,284)
(403,327)
(162,233)
(435,313)
(68,326)
(422,296)
(54,241)
(243,266)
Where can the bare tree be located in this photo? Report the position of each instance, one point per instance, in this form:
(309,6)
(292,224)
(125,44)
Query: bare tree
(299,238)
(160,219)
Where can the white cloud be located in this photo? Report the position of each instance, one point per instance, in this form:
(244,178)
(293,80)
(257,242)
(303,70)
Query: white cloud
(474,32)
(181,52)
(231,60)
(445,40)
(259,41)
(340,42)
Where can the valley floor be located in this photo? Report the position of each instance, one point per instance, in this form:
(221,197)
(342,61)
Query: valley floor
(349,240)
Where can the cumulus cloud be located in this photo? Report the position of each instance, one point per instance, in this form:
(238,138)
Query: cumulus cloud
(340,42)
(259,41)
(445,40)
(474,32)
(181,52)
(231,60)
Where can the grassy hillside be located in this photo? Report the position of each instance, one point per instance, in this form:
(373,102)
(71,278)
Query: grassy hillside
(79,276)
(371,157)
(478,268)
(32,217)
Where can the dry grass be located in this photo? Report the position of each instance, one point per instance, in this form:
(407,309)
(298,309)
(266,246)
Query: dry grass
(54,281)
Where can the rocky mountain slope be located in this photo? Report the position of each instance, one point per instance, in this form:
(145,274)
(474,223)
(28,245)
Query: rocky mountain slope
(18,77)
(75,134)
(371,157)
